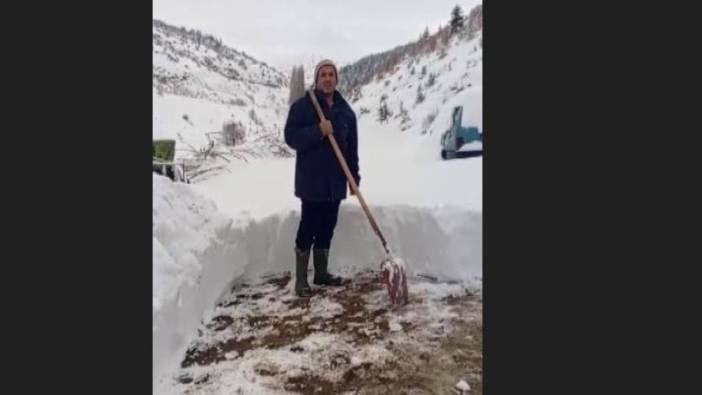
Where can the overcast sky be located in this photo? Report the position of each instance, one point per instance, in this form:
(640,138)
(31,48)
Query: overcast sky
(286,32)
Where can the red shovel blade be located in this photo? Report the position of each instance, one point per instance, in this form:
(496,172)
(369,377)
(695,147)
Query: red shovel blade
(395,280)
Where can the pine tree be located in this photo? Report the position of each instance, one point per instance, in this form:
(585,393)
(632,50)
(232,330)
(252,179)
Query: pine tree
(420,94)
(456,19)
(384,112)
(403,114)
(431,80)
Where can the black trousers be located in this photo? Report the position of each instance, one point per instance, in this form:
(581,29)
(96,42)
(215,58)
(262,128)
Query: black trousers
(317,224)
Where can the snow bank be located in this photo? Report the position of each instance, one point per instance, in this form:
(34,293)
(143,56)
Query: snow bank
(445,243)
(186,281)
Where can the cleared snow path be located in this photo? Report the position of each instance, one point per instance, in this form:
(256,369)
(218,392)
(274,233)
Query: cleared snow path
(210,255)
(260,339)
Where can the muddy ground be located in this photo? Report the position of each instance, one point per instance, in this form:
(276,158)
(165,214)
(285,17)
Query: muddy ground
(342,340)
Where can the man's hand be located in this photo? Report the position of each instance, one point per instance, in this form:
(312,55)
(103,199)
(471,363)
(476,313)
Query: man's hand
(351,189)
(326,127)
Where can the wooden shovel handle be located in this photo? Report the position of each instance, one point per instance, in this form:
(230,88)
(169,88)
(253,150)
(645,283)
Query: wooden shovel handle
(349,176)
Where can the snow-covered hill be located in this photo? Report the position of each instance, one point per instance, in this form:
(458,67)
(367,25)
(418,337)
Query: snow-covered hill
(199,84)
(419,96)
(417,85)
(419,93)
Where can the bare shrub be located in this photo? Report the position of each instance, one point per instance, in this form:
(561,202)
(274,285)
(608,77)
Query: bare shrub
(233,133)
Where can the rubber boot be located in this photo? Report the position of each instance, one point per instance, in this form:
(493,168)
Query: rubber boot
(321,275)
(302,259)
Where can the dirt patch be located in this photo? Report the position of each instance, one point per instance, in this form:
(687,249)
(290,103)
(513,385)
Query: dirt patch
(258,321)
(289,330)
(185,379)
(356,374)
(279,281)
(339,360)
(220,323)
(203,379)
(302,303)
(452,300)
(357,319)
(203,355)
(266,369)
(310,385)
(257,295)
(230,303)
(460,356)
(353,379)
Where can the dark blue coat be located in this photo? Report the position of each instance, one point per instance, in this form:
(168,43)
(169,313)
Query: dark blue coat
(318,174)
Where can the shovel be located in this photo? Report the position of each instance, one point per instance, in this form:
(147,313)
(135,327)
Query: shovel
(392,267)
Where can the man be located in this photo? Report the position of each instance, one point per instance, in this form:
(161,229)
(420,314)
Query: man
(320,182)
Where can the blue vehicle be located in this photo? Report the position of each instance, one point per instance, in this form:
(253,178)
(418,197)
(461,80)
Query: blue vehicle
(461,140)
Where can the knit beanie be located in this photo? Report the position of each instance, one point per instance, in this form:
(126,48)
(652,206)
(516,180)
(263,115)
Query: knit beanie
(325,62)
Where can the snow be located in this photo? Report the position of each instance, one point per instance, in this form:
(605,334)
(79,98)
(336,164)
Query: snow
(392,166)
(326,309)
(190,99)
(185,229)
(240,225)
(463,386)
(395,326)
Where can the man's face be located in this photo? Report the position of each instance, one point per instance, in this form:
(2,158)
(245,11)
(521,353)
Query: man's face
(326,81)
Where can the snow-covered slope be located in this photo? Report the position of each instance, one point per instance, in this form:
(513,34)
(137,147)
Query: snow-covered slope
(421,92)
(413,88)
(199,84)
